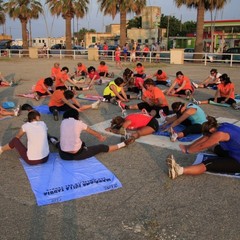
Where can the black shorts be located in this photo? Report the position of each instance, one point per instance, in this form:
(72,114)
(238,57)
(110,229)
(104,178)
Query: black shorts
(222,163)
(153,124)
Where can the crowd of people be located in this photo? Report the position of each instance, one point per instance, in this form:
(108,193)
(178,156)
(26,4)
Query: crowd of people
(152,106)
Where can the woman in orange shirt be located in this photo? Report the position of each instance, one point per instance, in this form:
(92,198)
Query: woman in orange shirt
(224,94)
(42,87)
(184,86)
(139,69)
(153,100)
(103,70)
(55,70)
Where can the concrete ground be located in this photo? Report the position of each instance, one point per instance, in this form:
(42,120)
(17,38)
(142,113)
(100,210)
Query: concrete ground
(148,206)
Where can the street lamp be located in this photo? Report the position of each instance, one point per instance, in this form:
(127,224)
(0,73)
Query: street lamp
(168,30)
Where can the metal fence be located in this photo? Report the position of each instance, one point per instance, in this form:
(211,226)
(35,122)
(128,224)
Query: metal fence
(151,57)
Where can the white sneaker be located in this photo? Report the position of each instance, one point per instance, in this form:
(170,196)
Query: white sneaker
(162,116)
(17,111)
(174,169)
(173,135)
(195,101)
(96,104)
(195,85)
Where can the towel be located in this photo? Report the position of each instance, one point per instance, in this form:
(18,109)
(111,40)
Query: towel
(179,128)
(58,180)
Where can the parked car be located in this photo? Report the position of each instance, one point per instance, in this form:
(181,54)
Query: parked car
(189,54)
(5,44)
(80,50)
(235,54)
(57,48)
(15,49)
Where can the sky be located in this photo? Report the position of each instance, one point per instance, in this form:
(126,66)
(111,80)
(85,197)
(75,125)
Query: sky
(52,26)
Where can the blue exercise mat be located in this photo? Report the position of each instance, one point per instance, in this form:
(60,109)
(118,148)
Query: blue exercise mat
(43,109)
(58,180)
(179,128)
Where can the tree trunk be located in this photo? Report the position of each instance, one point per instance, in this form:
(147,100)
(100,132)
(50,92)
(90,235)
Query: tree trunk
(68,33)
(25,33)
(123,22)
(199,36)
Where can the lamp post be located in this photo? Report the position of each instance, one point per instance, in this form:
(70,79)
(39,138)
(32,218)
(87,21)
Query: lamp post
(168,30)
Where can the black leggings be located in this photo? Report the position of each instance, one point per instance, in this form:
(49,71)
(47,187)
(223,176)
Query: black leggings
(84,152)
(144,105)
(223,163)
(230,101)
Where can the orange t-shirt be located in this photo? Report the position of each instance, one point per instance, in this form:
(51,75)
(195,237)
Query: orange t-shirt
(188,85)
(62,76)
(225,90)
(103,68)
(139,70)
(161,77)
(155,94)
(39,86)
(82,68)
(55,71)
(56,98)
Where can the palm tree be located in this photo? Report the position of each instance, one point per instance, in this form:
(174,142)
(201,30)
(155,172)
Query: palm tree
(2,14)
(68,9)
(112,7)
(201,6)
(24,10)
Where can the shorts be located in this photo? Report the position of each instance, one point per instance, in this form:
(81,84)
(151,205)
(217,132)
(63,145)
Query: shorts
(153,124)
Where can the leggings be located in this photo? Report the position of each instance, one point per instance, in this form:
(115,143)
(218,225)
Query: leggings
(223,163)
(16,143)
(230,101)
(84,152)
(63,108)
(192,129)
(144,105)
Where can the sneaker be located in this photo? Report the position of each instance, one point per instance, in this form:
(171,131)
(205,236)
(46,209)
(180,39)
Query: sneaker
(52,139)
(162,115)
(96,104)
(139,96)
(121,105)
(17,111)
(55,114)
(174,169)
(124,113)
(195,85)
(112,75)
(36,98)
(113,101)
(173,135)
(195,101)
(188,93)
(130,140)
(100,82)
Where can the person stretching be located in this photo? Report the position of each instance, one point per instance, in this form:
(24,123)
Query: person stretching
(71,147)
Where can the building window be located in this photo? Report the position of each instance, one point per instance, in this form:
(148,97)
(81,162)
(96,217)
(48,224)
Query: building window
(93,39)
(146,40)
(39,41)
(34,41)
(139,40)
(43,41)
